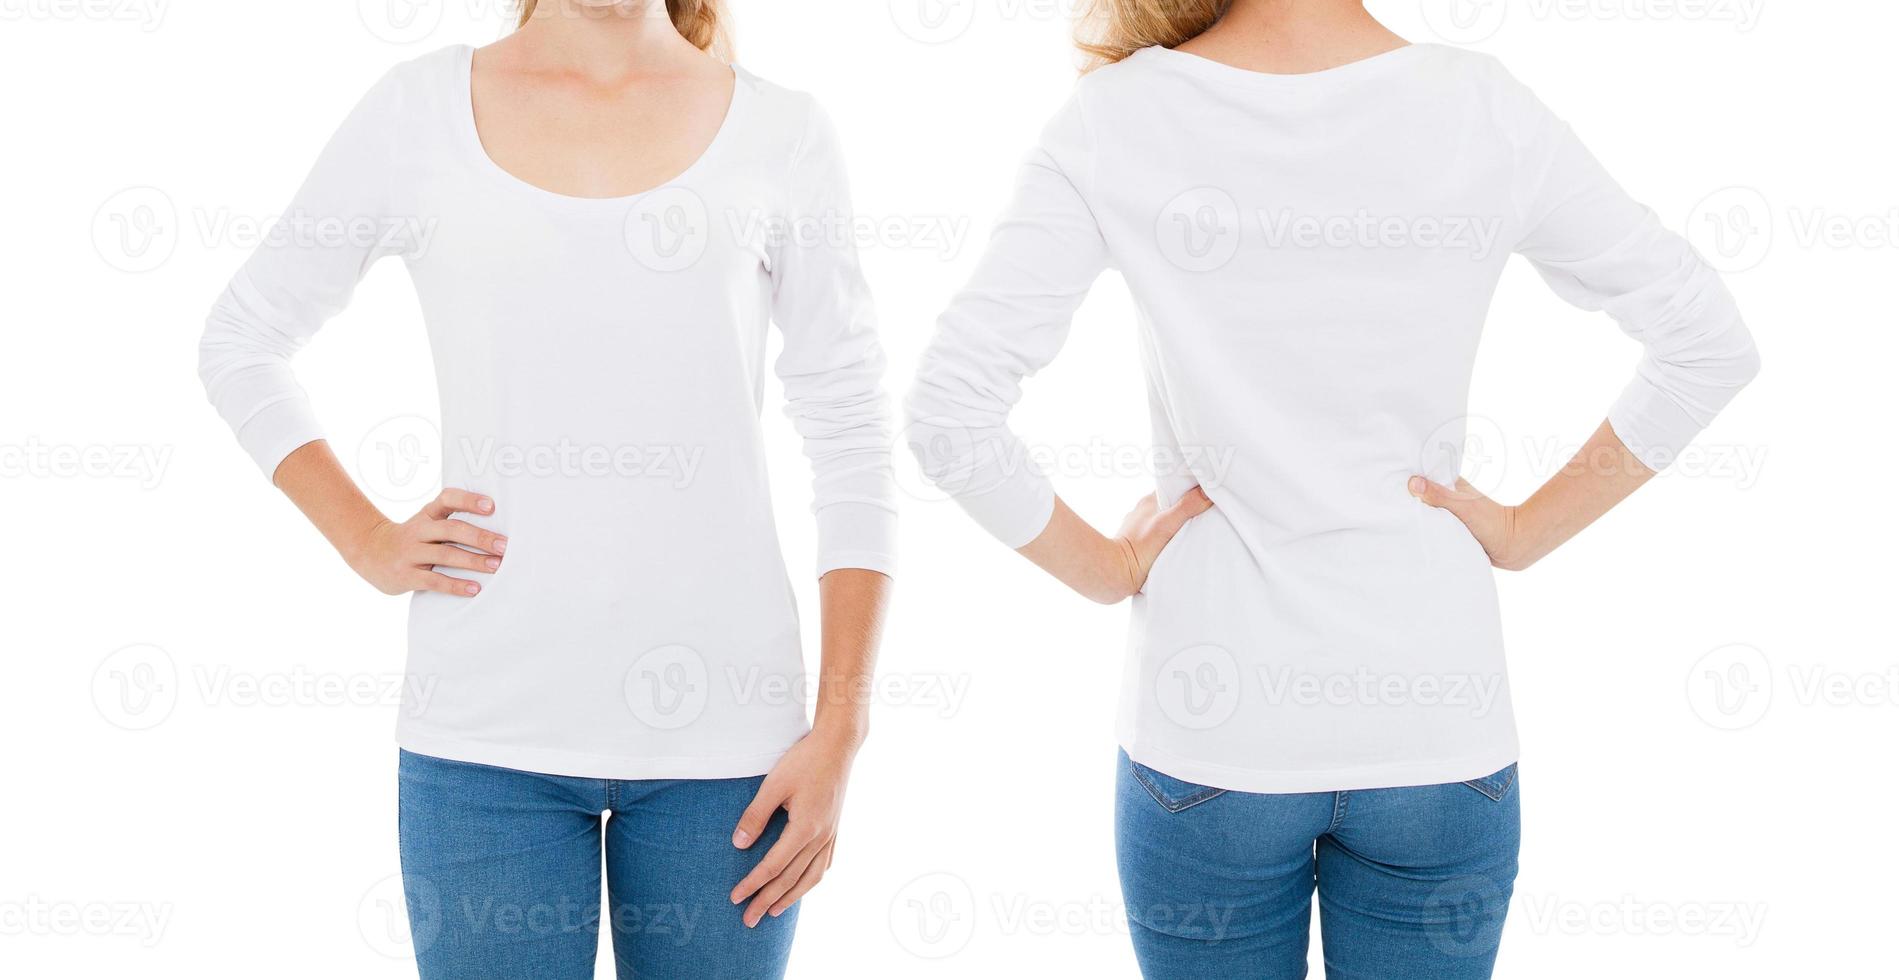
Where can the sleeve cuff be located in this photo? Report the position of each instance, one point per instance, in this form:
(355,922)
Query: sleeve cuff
(1654,428)
(855,534)
(1016,511)
(276,431)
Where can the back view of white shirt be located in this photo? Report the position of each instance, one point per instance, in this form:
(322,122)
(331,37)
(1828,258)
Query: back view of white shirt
(1312,257)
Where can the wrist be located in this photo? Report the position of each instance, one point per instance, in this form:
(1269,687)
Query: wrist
(354,545)
(846,730)
(1117,571)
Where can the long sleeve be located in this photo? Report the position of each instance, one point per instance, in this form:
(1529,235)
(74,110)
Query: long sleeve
(1009,322)
(832,365)
(301,276)
(1601,251)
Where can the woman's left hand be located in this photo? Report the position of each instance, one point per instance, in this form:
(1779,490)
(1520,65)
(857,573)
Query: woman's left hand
(808,784)
(1494,525)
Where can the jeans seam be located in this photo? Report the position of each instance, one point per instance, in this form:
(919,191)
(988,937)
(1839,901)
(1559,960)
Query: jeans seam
(1338,810)
(1202,795)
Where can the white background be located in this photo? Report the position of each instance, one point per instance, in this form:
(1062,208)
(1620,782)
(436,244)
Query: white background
(1705,681)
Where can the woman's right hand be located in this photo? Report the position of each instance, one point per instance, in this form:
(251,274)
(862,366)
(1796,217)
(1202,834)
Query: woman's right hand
(399,558)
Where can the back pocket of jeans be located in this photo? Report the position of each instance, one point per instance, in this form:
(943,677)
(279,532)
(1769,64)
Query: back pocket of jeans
(1498,784)
(1174,794)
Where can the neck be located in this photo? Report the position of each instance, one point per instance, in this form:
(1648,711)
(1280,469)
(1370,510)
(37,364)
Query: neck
(1302,35)
(601,38)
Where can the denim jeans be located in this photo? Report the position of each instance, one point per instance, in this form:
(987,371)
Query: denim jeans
(501,870)
(1413,882)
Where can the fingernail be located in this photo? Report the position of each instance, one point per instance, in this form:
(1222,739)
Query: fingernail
(494,563)
(775,913)
(501,546)
(1416,486)
(741,839)
(471,588)
(487,505)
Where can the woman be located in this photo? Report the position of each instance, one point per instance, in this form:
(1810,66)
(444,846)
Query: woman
(594,211)
(1311,216)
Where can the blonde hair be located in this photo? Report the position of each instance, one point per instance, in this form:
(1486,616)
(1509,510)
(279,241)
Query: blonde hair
(703,22)
(1109,30)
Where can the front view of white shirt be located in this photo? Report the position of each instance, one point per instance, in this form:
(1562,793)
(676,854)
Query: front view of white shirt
(600,363)
(1312,257)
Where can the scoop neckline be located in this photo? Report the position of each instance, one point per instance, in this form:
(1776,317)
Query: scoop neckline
(473,147)
(1220,70)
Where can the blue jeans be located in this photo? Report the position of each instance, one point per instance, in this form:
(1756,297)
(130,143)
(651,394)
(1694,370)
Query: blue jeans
(1413,882)
(501,870)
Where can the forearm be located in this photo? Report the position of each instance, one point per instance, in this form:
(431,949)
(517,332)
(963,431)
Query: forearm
(1598,477)
(316,482)
(1082,558)
(853,602)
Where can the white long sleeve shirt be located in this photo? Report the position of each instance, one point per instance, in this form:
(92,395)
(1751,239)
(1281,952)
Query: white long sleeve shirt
(1312,257)
(600,363)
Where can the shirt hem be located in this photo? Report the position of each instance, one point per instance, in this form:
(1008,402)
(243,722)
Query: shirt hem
(1424,773)
(585,765)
